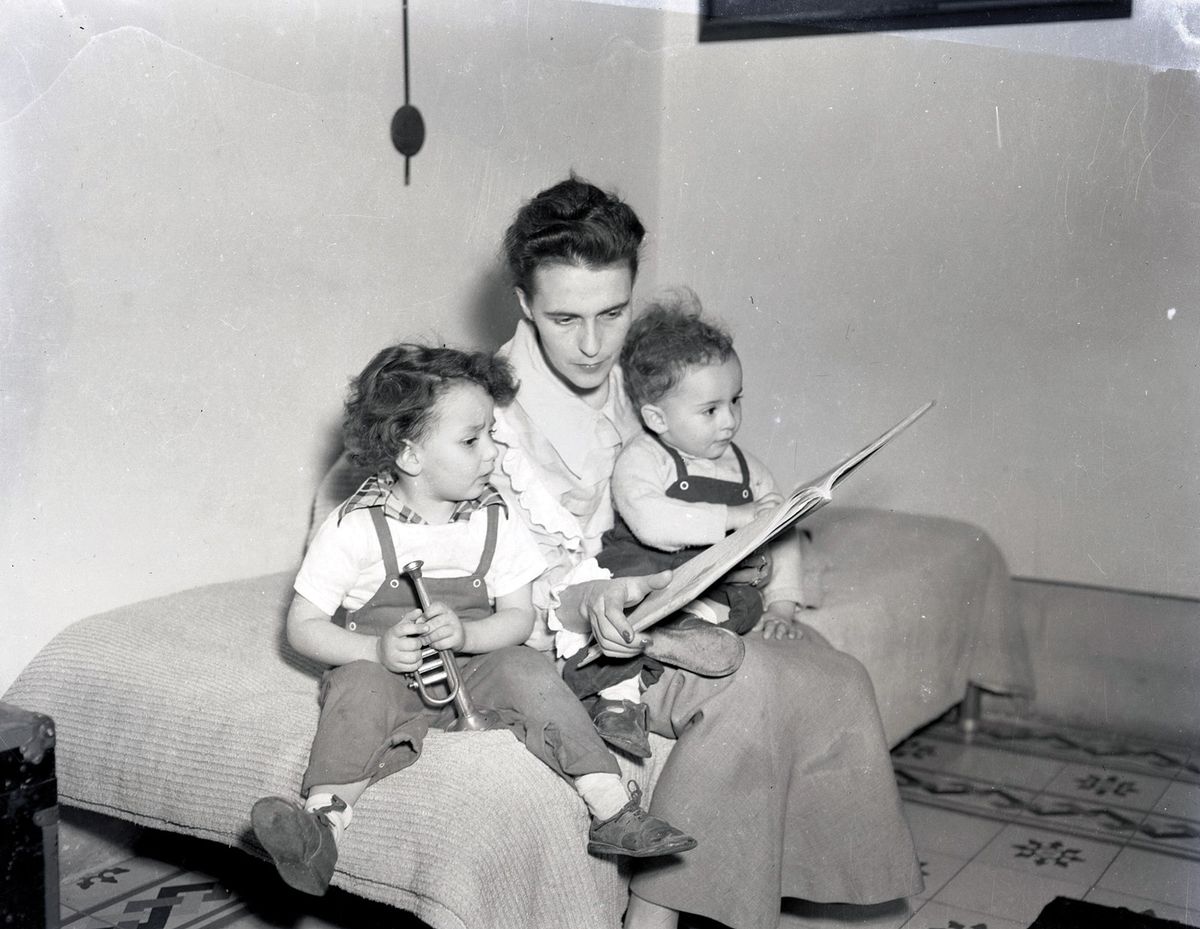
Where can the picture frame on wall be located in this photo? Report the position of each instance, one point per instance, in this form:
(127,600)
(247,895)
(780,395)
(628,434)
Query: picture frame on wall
(752,19)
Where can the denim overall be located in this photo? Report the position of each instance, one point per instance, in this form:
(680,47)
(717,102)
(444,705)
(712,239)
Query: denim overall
(625,556)
(397,595)
(373,724)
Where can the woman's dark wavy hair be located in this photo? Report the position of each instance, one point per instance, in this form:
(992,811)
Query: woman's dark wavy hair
(392,401)
(574,223)
(666,339)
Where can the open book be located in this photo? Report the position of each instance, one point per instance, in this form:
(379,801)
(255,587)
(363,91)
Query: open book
(694,577)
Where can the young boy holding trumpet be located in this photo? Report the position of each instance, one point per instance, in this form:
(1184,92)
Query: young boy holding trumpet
(420,420)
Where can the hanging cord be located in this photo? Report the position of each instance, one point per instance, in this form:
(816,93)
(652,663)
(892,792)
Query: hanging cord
(404,11)
(408,128)
(405,15)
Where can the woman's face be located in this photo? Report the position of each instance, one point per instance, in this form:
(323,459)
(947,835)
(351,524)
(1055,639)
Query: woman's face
(581,315)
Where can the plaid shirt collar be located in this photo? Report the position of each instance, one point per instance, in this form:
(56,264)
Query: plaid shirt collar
(376,491)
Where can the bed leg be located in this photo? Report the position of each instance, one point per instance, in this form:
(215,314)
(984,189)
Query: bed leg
(969,711)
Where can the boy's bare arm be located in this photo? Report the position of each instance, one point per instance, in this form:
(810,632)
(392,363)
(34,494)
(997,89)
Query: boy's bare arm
(443,629)
(783,593)
(311,632)
(509,625)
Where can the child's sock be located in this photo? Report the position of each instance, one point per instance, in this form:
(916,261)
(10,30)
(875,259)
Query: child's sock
(334,809)
(707,610)
(604,794)
(629,689)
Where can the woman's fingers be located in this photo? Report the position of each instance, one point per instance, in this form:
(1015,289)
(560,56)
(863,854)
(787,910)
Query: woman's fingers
(605,611)
(640,587)
(608,619)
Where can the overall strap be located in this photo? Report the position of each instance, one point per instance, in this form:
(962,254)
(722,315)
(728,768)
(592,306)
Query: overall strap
(391,566)
(741,459)
(489,545)
(681,471)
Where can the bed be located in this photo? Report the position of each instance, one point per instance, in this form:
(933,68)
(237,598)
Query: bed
(177,713)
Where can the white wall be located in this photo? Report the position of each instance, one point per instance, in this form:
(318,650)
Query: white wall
(205,232)
(886,219)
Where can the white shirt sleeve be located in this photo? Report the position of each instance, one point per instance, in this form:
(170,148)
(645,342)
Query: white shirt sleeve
(517,560)
(333,562)
(566,641)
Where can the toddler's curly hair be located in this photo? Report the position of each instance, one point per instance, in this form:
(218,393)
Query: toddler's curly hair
(666,339)
(392,401)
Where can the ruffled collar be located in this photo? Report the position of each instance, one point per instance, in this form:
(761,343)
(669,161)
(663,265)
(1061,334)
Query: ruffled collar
(564,420)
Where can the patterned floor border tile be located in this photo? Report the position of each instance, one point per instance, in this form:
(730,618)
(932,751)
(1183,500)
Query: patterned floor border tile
(111,875)
(921,780)
(189,902)
(962,794)
(1006,805)
(943,916)
(1116,752)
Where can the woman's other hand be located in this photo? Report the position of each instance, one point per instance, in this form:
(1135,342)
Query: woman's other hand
(603,603)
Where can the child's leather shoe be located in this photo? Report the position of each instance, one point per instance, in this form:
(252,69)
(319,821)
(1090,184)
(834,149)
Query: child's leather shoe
(622,723)
(688,642)
(300,843)
(634,832)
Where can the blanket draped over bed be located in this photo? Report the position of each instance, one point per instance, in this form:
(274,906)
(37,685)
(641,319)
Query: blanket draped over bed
(179,712)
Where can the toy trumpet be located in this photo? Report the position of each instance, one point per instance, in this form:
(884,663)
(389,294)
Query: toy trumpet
(439,667)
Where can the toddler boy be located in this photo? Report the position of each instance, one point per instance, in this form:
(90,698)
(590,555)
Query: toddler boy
(679,488)
(420,420)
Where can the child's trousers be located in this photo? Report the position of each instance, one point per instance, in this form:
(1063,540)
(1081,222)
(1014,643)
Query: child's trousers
(372,724)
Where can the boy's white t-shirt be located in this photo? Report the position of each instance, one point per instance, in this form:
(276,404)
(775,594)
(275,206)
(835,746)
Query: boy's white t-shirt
(343,566)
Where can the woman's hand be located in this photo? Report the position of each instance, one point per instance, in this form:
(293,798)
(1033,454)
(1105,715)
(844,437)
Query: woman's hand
(400,646)
(602,604)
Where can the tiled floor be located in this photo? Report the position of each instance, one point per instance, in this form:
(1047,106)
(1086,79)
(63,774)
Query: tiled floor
(1003,824)
(1018,815)
(178,883)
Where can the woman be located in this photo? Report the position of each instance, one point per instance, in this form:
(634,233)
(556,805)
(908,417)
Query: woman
(780,770)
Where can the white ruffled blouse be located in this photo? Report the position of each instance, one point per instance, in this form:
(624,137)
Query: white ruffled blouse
(556,463)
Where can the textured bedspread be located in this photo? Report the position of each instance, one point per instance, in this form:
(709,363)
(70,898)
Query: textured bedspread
(179,712)
(925,604)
